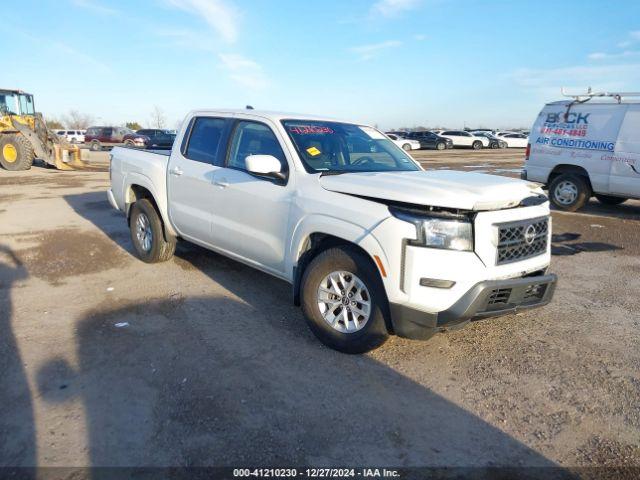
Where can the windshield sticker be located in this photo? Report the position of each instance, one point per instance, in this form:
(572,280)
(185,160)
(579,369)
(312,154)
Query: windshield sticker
(313,151)
(373,133)
(310,130)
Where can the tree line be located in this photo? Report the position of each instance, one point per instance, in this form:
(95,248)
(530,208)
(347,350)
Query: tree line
(76,120)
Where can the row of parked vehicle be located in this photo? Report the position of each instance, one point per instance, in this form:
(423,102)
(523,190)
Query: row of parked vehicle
(444,139)
(98,138)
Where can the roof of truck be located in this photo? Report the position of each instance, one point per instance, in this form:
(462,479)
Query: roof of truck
(272,115)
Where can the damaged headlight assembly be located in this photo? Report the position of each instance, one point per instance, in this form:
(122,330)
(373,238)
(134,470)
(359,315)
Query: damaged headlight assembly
(448,231)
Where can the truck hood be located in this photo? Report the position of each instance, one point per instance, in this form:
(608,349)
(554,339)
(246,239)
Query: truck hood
(437,188)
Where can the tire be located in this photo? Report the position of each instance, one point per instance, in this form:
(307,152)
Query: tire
(95,146)
(372,332)
(569,192)
(495,145)
(406,147)
(610,200)
(159,250)
(477,145)
(441,146)
(16,153)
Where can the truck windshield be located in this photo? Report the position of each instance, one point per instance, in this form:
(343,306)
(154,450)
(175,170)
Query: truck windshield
(333,147)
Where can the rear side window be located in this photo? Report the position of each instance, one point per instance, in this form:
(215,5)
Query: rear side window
(204,140)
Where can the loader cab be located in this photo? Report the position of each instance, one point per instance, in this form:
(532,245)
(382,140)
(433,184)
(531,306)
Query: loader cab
(16,102)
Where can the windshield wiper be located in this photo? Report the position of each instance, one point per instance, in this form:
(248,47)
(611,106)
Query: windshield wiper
(327,173)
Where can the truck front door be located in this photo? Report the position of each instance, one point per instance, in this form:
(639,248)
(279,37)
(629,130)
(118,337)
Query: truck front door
(251,213)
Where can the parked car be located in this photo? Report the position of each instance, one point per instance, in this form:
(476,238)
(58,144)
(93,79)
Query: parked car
(515,140)
(494,142)
(99,137)
(460,138)
(399,133)
(404,143)
(371,243)
(430,140)
(72,136)
(580,150)
(150,138)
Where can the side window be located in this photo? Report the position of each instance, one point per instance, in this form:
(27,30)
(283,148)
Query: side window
(252,138)
(205,139)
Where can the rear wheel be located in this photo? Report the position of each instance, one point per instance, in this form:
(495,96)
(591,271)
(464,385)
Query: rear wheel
(16,153)
(569,192)
(477,145)
(441,146)
(610,200)
(406,147)
(147,234)
(95,146)
(344,301)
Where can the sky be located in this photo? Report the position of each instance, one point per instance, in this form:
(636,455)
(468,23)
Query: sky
(390,63)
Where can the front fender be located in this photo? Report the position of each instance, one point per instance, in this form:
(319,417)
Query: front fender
(336,227)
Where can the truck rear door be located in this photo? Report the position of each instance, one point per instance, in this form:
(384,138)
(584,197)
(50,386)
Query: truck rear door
(190,177)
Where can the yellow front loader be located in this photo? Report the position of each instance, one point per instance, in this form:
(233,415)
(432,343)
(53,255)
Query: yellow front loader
(24,136)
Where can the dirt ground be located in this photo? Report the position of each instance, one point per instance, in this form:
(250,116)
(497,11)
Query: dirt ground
(107,361)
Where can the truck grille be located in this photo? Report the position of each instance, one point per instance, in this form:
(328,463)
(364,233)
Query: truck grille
(521,240)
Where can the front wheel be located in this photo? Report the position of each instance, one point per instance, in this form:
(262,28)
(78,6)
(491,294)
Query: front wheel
(95,146)
(16,153)
(406,147)
(344,302)
(441,146)
(610,200)
(477,145)
(147,234)
(569,192)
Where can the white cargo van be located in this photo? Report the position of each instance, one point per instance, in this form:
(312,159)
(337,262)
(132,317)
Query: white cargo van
(588,146)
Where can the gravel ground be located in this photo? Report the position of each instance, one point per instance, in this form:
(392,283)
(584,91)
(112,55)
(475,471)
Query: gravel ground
(107,361)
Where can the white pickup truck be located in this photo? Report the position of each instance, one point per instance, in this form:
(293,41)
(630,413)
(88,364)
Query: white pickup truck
(372,244)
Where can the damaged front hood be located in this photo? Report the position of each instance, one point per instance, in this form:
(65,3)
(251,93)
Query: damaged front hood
(437,188)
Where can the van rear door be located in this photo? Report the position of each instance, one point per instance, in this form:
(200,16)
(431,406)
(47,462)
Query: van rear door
(625,162)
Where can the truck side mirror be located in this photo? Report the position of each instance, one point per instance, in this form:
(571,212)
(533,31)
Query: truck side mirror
(264,165)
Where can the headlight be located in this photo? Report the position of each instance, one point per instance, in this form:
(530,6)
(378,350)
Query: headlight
(436,232)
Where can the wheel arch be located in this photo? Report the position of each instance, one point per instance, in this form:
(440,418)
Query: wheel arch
(571,169)
(317,242)
(138,191)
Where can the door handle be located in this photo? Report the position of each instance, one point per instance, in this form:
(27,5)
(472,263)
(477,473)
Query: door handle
(176,171)
(222,183)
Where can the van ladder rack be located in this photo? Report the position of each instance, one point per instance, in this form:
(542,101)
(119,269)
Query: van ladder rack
(585,97)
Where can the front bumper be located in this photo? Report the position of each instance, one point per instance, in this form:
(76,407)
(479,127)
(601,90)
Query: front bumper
(486,299)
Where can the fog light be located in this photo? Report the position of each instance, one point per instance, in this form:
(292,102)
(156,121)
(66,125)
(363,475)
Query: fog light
(435,283)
